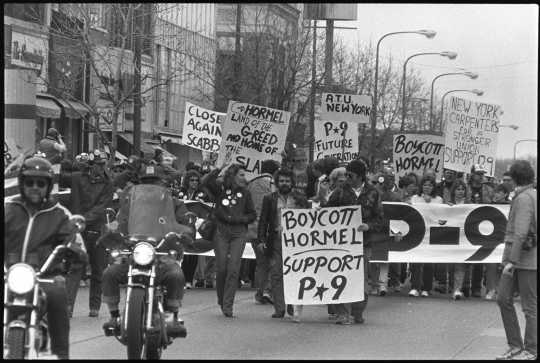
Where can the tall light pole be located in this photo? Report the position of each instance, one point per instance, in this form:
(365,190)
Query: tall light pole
(477,92)
(449,55)
(428,34)
(471,75)
(513,127)
(520,141)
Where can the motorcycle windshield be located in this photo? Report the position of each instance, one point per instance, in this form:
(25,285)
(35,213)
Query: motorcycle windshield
(152,212)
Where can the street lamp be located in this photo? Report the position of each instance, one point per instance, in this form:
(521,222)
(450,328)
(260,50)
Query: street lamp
(449,55)
(513,127)
(477,92)
(519,141)
(471,75)
(428,34)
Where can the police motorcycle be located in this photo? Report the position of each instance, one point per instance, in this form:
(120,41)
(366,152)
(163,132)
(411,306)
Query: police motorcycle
(143,329)
(25,319)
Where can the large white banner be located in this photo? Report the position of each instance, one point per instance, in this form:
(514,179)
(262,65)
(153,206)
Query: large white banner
(202,128)
(440,233)
(417,152)
(345,107)
(337,139)
(323,255)
(252,134)
(472,130)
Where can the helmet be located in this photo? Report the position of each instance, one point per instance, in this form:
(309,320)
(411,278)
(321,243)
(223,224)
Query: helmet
(36,166)
(150,174)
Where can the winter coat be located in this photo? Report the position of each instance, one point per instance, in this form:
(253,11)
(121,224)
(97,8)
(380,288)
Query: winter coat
(521,224)
(259,187)
(235,206)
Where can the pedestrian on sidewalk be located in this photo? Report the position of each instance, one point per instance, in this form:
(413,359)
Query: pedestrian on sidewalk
(234,211)
(520,266)
(269,234)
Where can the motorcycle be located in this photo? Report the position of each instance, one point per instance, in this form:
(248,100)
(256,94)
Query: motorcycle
(142,326)
(25,319)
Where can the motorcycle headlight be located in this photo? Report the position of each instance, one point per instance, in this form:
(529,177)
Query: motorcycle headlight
(21,278)
(143,253)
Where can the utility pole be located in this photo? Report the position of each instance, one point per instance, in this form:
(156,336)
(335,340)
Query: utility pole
(137,18)
(329,53)
(313,92)
(237,54)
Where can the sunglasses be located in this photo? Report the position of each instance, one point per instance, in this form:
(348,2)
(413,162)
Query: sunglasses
(29,183)
(194,180)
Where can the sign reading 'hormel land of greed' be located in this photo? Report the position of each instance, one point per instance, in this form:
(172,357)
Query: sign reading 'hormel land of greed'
(344,107)
(323,255)
(417,152)
(472,130)
(252,134)
(202,128)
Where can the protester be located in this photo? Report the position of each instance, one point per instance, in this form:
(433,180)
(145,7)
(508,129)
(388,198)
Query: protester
(269,234)
(458,196)
(91,193)
(422,273)
(443,188)
(408,185)
(509,185)
(520,266)
(481,193)
(52,146)
(259,187)
(357,191)
(234,211)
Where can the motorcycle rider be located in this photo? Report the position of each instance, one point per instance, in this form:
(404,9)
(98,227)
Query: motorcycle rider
(169,272)
(49,227)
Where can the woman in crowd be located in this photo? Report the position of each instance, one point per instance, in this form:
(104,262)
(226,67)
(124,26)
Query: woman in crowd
(233,212)
(409,186)
(422,273)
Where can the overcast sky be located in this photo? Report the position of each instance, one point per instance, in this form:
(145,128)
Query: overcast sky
(499,42)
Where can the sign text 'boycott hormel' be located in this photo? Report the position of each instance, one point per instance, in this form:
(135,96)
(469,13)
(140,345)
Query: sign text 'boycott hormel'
(202,128)
(323,255)
(252,134)
(471,133)
(345,107)
(417,152)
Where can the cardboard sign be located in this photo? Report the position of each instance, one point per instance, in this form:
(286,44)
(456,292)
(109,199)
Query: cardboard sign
(417,152)
(252,134)
(440,233)
(472,130)
(337,139)
(323,255)
(202,128)
(344,107)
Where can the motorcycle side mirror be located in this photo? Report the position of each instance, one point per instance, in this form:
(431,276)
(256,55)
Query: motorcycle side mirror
(78,221)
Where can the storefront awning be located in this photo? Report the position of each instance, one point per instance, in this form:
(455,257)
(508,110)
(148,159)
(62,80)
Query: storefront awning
(73,109)
(47,108)
(145,148)
(117,155)
(165,152)
(172,138)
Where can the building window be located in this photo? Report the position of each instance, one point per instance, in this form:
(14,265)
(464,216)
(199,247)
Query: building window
(98,15)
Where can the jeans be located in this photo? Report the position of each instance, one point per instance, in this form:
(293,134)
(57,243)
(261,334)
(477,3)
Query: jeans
(262,272)
(189,264)
(58,320)
(526,281)
(356,309)
(73,279)
(276,280)
(422,276)
(229,247)
(205,271)
(97,258)
(168,274)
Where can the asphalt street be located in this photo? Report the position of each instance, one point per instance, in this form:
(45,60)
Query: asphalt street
(396,327)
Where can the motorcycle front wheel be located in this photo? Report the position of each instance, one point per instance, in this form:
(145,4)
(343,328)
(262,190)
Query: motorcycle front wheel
(15,343)
(135,324)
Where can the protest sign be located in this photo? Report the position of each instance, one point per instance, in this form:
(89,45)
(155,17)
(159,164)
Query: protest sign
(252,134)
(471,133)
(417,152)
(440,233)
(323,255)
(202,128)
(345,107)
(330,140)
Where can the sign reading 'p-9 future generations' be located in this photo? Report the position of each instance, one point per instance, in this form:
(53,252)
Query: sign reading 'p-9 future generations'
(345,107)
(323,255)
(252,134)
(472,129)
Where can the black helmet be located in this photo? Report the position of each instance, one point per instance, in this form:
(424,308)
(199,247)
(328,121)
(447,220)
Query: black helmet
(36,166)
